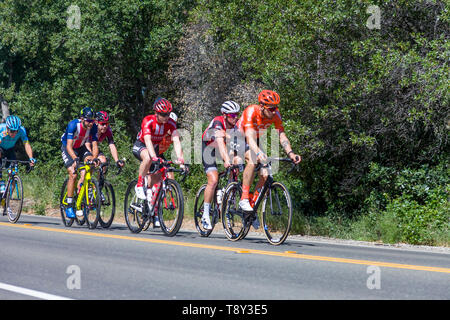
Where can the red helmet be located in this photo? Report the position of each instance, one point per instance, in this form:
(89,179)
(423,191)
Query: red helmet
(102,117)
(162,105)
(268,97)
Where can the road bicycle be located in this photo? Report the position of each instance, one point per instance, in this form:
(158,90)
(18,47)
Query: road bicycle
(12,198)
(167,203)
(86,199)
(107,195)
(276,208)
(227,176)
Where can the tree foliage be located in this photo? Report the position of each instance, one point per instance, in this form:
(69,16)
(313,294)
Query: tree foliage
(357,98)
(351,94)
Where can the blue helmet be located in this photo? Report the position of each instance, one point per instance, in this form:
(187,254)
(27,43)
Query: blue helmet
(87,113)
(13,123)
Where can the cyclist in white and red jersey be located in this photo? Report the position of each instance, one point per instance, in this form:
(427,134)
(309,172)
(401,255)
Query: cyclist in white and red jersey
(215,137)
(146,148)
(254,120)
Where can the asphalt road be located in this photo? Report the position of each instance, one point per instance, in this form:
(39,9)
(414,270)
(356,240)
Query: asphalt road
(41,259)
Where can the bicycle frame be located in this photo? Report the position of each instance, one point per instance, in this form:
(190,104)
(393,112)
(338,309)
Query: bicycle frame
(164,170)
(226,174)
(84,188)
(12,171)
(267,185)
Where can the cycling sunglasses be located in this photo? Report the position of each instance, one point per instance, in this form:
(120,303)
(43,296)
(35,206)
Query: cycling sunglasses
(271,109)
(13,131)
(162,114)
(232,115)
(89,120)
(104,123)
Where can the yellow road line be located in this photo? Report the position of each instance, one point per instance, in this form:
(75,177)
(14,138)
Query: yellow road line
(238,250)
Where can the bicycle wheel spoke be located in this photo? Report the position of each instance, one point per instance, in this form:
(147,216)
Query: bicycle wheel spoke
(277,214)
(233,218)
(170,216)
(134,210)
(14,199)
(108,205)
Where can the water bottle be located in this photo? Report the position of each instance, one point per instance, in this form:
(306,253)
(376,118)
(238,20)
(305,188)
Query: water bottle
(220,195)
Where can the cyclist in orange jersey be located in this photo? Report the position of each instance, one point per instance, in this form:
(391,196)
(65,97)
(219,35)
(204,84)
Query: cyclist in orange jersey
(254,120)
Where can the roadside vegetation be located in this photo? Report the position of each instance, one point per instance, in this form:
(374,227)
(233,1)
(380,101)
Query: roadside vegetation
(365,97)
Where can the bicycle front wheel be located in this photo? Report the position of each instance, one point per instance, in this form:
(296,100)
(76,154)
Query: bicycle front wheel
(171,208)
(108,205)
(134,209)
(198,212)
(63,205)
(277,213)
(232,215)
(91,204)
(14,199)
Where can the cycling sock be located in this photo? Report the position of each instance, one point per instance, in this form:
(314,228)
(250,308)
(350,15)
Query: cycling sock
(69,200)
(206,207)
(245,192)
(256,194)
(140,182)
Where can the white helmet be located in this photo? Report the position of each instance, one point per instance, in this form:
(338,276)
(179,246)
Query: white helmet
(230,107)
(173,116)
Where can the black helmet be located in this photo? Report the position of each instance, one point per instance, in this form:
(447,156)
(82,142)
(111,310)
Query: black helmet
(87,113)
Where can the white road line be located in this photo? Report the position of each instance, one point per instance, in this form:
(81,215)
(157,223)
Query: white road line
(33,293)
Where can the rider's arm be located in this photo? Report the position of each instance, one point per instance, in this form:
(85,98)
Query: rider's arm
(114,153)
(94,149)
(69,148)
(89,146)
(250,136)
(149,146)
(177,145)
(220,138)
(284,141)
(28,150)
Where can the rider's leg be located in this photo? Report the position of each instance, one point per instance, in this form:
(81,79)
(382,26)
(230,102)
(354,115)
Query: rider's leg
(143,169)
(247,179)
(213,178)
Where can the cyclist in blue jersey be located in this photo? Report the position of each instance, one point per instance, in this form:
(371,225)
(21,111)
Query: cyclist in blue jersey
(10,132)
(73,150)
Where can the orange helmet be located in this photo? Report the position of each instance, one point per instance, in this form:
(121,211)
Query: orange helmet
(268,97)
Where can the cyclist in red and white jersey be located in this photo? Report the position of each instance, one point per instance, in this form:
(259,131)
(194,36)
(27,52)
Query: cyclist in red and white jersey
(254,120)
(146,148)
(214,137)
(104,133)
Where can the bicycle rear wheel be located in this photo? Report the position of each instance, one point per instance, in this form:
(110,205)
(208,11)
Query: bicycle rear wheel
(171,208)
(14,199)
(91,204)
(108,205)
(134,209)
(198,212)
(277,213)
(63,205)
(232,215)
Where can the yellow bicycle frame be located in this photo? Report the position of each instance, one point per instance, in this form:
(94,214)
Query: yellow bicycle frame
(84,189)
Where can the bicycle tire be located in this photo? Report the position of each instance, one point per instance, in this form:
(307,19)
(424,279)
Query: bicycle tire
(14,199)
(170,209)
(108,205)
(63,204)
(91,202)
(277,224)
(134,209)
(232,215)
(198,212)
